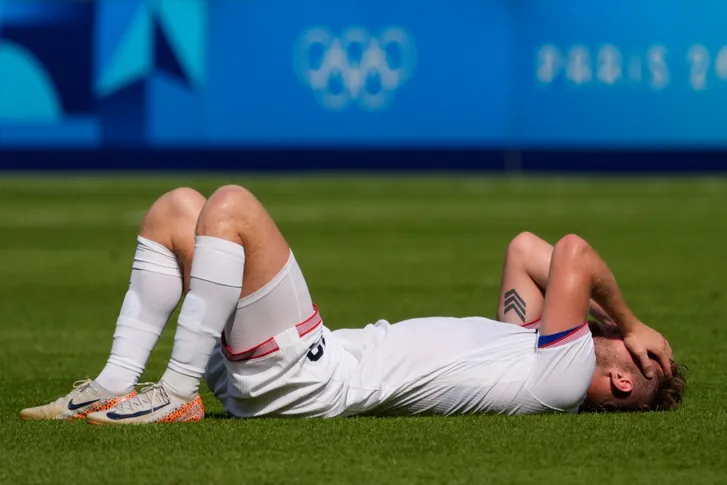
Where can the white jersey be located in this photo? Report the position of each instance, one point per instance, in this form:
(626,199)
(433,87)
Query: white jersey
(436,365)
(472,365)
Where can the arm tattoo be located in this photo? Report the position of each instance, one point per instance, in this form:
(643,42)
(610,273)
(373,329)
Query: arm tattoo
(514,302)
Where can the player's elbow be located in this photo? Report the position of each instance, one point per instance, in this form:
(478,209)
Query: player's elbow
(572,248)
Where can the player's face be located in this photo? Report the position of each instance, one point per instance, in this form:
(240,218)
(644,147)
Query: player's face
(613,376)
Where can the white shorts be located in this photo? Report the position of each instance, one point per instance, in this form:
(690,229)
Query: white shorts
(290,374)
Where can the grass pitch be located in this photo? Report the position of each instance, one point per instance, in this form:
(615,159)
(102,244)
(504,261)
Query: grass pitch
(371,248)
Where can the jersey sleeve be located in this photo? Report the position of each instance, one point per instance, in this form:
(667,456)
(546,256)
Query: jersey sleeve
(563,369)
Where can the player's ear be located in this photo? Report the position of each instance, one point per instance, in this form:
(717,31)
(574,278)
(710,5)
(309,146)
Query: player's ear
(622,380)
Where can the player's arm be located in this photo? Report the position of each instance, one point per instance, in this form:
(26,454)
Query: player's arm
(525,276)
(578,273)
(600,314)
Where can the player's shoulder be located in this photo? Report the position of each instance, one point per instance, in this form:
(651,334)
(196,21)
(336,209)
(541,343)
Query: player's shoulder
(563,368)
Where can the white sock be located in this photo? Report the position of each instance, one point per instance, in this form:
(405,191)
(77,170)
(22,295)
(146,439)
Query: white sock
(154,291)
(214,292)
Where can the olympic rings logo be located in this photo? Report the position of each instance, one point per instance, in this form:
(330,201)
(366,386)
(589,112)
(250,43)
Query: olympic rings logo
(355,66)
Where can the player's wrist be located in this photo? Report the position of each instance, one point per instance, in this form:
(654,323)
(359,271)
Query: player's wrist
(628,323)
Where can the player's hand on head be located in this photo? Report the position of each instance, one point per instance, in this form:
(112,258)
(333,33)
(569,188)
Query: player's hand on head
(643,340)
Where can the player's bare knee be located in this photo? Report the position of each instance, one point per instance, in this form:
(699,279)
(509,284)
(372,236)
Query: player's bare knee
(174,212)
(229,213)
(571,248)
(185,202)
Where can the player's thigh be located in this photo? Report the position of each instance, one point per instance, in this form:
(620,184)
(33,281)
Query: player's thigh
(282,303)
(235,214)
(266,253)
(279,358)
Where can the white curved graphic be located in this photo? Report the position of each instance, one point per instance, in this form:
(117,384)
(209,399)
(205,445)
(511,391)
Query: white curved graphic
(355,66)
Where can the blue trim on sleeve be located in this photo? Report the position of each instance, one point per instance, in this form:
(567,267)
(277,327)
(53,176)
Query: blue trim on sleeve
(545,340)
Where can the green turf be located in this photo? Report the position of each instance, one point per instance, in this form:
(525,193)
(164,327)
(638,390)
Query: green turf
(371,248)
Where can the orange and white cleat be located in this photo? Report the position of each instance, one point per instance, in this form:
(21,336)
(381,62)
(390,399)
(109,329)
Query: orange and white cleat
(154,404)
(85,398)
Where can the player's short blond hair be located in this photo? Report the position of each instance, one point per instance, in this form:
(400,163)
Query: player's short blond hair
(660,394)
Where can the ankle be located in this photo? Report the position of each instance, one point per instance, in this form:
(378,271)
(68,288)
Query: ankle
(181,385)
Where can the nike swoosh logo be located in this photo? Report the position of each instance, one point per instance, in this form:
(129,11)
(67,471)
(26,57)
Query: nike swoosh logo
(118,417)
(73,406)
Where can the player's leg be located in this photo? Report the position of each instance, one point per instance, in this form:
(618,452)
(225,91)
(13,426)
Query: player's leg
(159,272)
(275,327)
(222,273)
(521,296)
(239,250)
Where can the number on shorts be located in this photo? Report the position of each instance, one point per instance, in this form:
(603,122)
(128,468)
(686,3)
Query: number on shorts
(316,351)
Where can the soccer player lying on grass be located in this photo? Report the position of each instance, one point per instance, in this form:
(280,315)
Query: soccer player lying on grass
(249,325)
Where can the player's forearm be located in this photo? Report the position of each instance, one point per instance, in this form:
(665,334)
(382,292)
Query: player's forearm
(606,293)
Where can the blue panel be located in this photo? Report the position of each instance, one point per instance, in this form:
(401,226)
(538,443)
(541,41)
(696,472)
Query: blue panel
(646,74)
(123,115)
(34,12)
(480,76)
(26,91)
(69,133)
(112,24)
(443,82)
(175,114)
(130,57)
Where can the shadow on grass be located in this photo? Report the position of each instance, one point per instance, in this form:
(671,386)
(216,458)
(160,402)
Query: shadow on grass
(217,415)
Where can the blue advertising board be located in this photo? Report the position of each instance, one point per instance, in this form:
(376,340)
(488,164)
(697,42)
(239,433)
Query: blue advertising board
(344,74)
(255,73)
(632,74)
